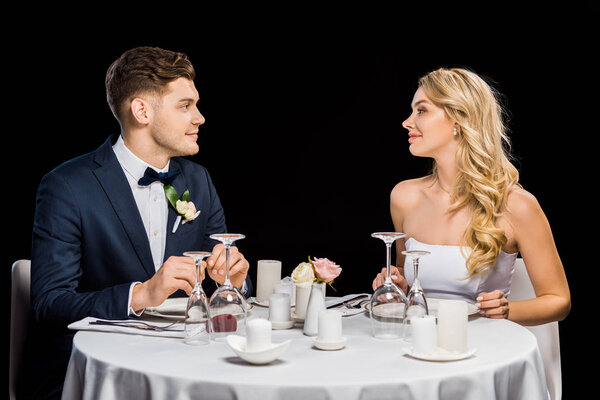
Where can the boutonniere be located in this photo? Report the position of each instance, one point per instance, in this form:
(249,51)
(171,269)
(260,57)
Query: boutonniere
(184,207)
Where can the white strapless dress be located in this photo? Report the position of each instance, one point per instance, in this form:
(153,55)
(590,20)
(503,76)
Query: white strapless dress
(442,272)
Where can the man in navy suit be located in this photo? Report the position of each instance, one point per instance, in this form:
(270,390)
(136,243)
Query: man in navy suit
(106,241)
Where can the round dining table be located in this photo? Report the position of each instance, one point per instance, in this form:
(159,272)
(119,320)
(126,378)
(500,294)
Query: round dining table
(506,364)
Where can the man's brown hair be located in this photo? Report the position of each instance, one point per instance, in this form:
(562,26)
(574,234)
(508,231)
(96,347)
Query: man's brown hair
(144,70)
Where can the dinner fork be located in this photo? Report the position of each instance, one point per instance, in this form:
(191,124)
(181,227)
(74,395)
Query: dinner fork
(137,324)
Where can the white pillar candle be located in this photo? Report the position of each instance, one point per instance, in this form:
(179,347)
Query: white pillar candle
(302,296)
(424,334)
(268,274)
(258,334)
(279,307)
(330,326)
(452,325)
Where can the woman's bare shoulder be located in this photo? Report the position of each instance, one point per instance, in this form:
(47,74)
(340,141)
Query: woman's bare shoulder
(409,192)
(522,206)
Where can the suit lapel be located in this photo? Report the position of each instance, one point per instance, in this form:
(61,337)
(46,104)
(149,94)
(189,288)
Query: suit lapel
(113,181)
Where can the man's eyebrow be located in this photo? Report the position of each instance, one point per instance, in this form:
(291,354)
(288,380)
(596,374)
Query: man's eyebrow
(188,99)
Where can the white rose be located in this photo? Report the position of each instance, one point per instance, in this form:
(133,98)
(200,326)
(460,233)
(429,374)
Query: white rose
(191,211)
(181,206)
(303,273)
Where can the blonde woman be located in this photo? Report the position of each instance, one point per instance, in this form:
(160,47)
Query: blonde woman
(470,212)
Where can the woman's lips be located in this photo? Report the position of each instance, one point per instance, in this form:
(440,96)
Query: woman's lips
(412,137)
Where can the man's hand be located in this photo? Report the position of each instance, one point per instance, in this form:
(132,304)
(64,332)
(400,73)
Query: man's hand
(238,265)
(176,273)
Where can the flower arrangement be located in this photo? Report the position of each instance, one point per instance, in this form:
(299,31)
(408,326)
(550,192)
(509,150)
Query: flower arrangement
(317,270)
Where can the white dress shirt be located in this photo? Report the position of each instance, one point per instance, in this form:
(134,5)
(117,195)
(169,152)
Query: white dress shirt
(151,200)
(151,203)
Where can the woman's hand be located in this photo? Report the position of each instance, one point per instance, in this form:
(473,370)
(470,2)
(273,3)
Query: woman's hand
(493,304)
(396,276)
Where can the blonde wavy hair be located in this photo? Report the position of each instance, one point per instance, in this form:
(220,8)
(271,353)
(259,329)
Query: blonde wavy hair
(485,174)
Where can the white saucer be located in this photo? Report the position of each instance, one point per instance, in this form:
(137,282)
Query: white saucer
(282,325)
(297,319)
(440,355)
(238,345)
(329,345)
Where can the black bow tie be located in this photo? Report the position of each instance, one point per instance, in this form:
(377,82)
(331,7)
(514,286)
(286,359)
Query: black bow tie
(151,175)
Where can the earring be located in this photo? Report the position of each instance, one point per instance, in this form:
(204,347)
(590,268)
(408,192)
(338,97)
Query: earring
(455,131)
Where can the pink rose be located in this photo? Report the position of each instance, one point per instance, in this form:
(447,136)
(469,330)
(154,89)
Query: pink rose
(326,270)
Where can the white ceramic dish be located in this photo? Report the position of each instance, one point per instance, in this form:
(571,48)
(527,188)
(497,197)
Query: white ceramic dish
(339,344)
(296,319)
(439,355)
(238,345)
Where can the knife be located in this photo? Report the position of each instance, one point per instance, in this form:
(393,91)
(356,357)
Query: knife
(339,303)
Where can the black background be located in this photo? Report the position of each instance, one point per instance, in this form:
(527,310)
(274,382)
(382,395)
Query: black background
(303,108)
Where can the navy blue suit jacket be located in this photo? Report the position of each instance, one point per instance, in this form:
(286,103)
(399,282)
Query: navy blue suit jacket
(89,242)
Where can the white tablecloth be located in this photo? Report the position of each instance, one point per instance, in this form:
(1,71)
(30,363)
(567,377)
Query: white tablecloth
(507,365)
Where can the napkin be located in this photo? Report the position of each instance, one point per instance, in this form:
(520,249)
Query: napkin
(345,310)
(175,305)
(84,325)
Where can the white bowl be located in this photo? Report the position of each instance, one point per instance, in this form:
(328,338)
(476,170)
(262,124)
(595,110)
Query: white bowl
(238,345)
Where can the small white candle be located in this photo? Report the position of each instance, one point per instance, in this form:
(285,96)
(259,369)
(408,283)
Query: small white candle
(258,334)
(330,326)
(424,334)
(279,307)
(302,296)
(452,325)
(268,274)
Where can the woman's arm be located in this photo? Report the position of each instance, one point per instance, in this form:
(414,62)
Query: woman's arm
(534,239)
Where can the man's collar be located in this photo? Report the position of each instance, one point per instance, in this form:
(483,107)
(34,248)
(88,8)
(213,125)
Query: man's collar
(131,163)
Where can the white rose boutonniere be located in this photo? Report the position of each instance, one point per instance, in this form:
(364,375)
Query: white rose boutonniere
(184,207)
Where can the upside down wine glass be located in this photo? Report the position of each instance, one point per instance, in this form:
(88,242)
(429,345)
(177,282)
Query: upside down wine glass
(197,317)
(417,303)
(388,303)
(227,305)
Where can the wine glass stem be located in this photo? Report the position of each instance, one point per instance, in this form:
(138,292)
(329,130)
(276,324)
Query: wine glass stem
(227,265)
(198,263)
(416,267)
(388,277)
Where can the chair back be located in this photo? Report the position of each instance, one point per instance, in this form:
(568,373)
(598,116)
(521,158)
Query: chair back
(20,303)
(546,334)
